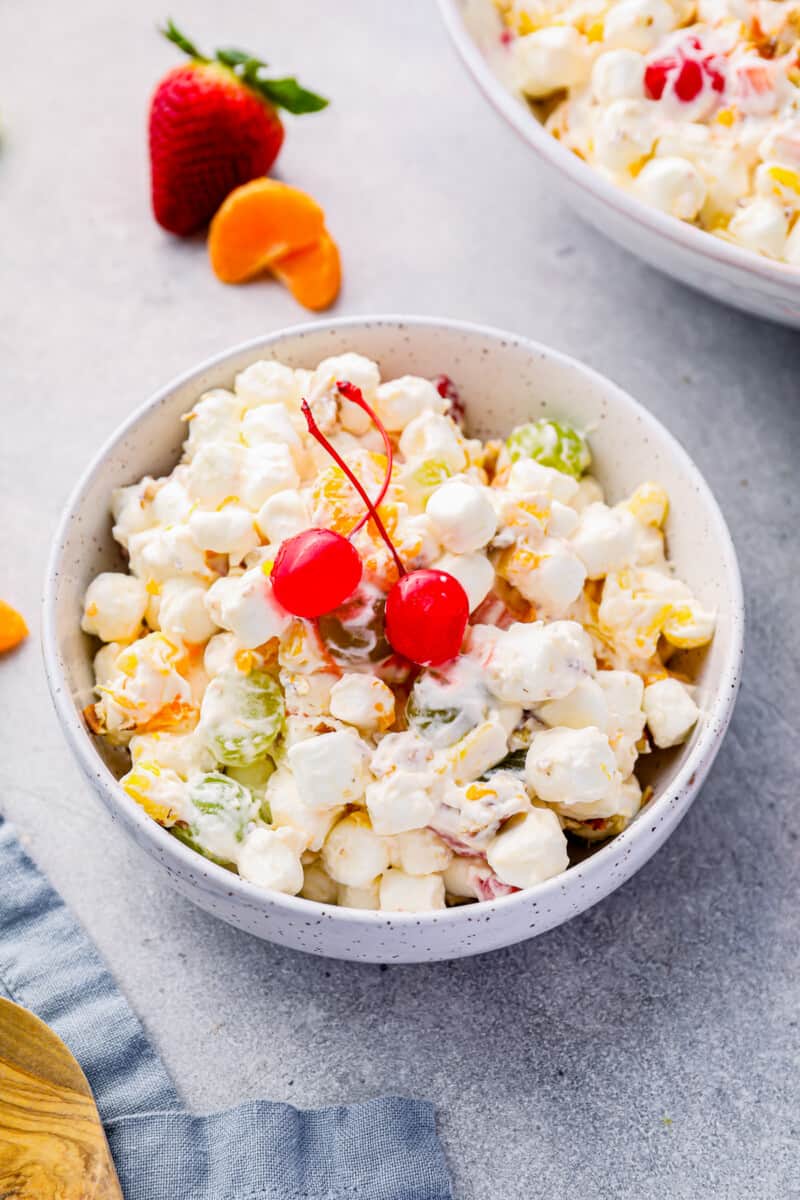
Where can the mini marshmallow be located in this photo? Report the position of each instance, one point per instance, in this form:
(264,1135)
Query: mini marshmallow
(462,516)
(270,858)
(550,59)
(114,607)
(283,515)
(353,853)
(246,605)
(673,185)
(329,770)
(364,701)
(529,849)
(410,893)
(182,613)
(401,801)
(576,770)
(671,712)
(474,572)
(399,401)
(267,383)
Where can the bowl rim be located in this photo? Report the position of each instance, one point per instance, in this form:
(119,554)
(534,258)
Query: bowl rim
(677,797)
(687,237)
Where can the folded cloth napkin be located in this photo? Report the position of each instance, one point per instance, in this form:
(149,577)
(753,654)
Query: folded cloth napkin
(383,1149)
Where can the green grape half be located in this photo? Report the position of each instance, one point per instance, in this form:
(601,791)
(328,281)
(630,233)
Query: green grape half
(223,808)
(554,444)
(242,716)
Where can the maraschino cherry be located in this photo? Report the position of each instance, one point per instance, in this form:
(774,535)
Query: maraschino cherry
(316,571)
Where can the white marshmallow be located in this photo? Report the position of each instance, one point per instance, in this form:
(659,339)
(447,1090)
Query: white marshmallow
(329,770)
(529,849)
(618,75)
(228,531)
(671,712)
(528,664)
(585,705)
(433,436)
(474,572)
(410,893)
(638,24)
(215,418)
(269,423)
(353,853)
(462,516)
(624,134)
(282,516)
(266,469)
(246,605)
(367,897)
(182,613)
(761,225)
(574,769)
(401,400)
(421,852)
(267,383)
(288,811)
(549,575)
(550,59)
(606,539)
(114,607)
(362,700)
(673,185)
(270,858)
(401,801)
(355,369)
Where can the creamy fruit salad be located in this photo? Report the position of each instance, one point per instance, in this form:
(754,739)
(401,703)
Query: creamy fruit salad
(694,107)
(363,658)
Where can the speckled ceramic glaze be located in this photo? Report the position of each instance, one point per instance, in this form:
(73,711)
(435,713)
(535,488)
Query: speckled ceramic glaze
(504,380)
(719,269)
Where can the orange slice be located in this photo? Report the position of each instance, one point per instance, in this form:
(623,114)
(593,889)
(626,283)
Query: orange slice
(313,275)
(259,223)
(13,629)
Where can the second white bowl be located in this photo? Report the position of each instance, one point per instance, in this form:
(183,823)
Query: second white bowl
(504,380)
(719,269)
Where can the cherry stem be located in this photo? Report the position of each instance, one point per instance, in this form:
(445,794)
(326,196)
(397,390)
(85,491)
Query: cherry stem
(372,511)
(355,396)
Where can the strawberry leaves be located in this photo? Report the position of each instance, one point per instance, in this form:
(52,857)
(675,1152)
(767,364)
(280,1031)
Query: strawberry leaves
(282,93)
(288,94)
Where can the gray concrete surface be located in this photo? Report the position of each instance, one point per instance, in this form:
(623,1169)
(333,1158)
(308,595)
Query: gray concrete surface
(647,1049)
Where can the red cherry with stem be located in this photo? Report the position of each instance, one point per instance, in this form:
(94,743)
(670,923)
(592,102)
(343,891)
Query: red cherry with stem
(315,572)
(426,615)
(426,611)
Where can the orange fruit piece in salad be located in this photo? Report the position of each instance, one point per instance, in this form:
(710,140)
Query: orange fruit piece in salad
(314,274)
(13,629)
(266,225)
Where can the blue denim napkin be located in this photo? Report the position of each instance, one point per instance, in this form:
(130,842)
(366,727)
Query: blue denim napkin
(381,1150)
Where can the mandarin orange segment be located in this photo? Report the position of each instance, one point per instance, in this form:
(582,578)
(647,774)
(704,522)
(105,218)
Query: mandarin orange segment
(259,223)
(13,629)
(313,275)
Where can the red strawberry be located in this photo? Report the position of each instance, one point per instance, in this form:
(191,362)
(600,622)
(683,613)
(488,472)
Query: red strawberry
(213,126)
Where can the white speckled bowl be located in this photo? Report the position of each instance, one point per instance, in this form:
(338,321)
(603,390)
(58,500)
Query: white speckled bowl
(720,269)
(504,380)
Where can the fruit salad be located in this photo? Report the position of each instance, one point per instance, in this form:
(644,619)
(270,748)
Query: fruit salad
(692,107)
(361,657)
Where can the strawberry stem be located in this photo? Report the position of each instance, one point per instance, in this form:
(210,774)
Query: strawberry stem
(174,35)
(372,512)
(280,93)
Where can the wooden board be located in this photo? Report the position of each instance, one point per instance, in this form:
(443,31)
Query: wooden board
(52,1144)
